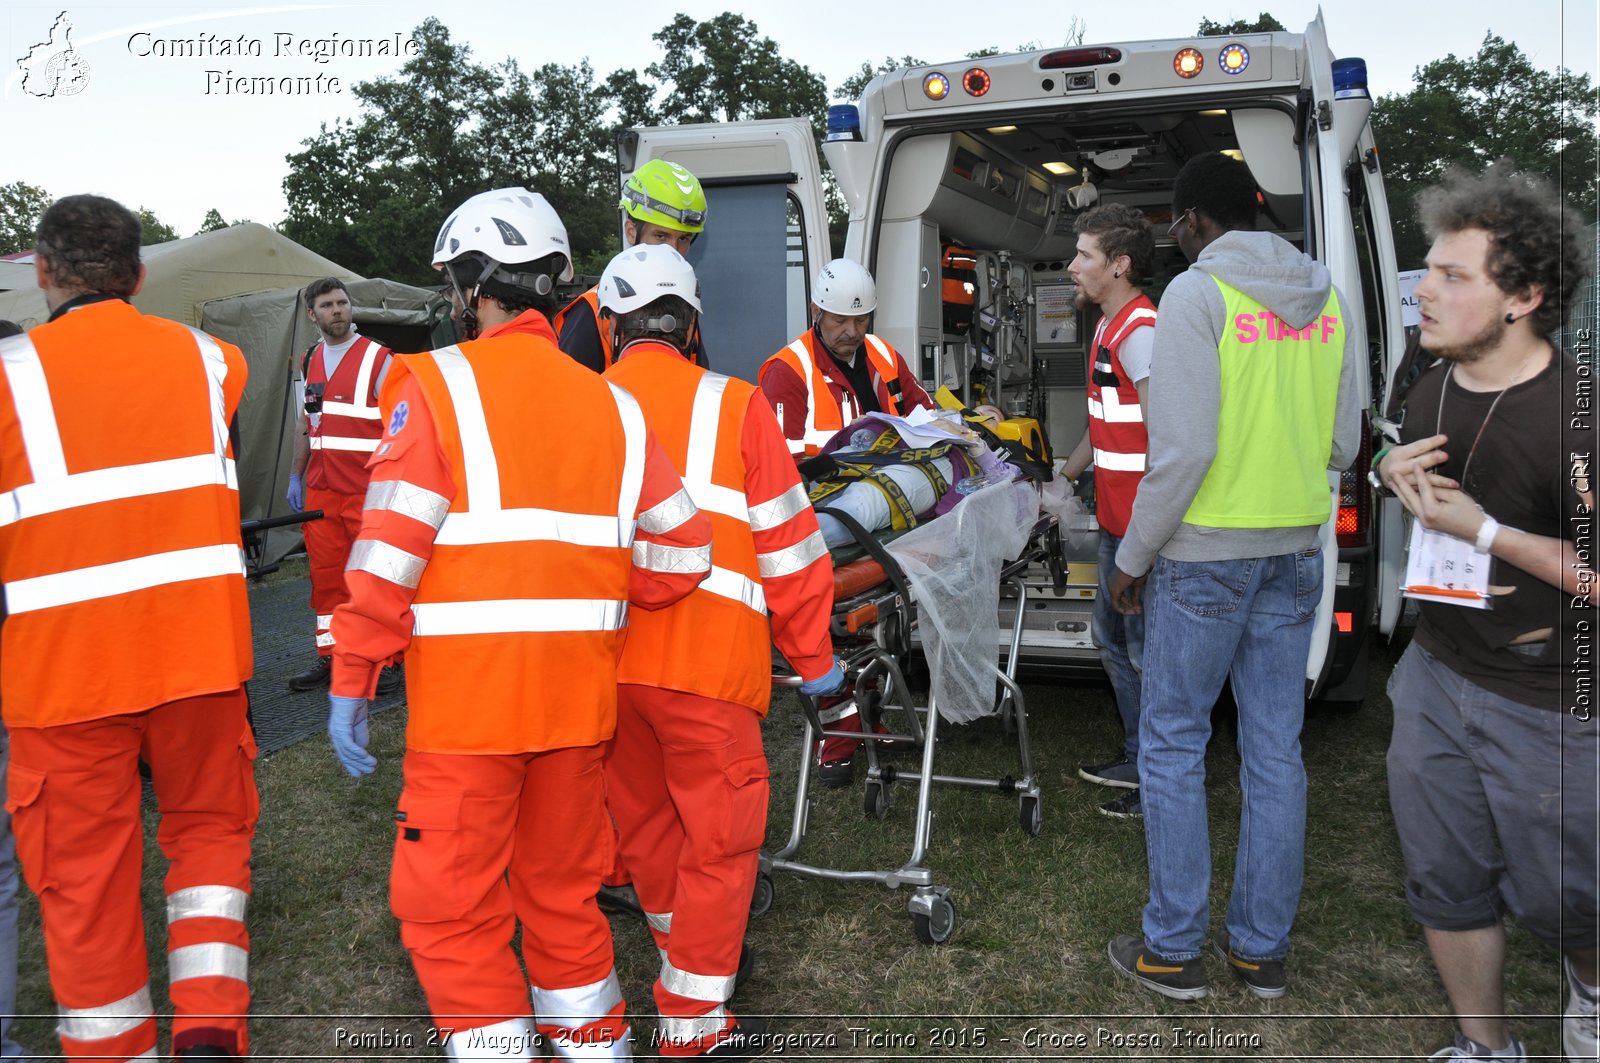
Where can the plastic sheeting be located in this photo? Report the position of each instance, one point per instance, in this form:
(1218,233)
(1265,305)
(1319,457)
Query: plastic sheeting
(953,565)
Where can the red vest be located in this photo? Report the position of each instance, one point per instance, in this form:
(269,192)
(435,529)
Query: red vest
(348,430)
(1116,423)
(829,405)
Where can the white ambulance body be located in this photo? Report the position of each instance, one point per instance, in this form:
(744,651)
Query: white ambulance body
(999,155)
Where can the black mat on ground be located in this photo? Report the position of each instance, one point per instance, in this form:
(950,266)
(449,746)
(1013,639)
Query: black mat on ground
(284,636)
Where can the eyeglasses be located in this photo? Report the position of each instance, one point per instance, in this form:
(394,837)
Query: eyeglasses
(1172,230)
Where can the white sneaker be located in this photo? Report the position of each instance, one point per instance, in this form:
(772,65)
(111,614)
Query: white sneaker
(1580,1029)
(1465,1048)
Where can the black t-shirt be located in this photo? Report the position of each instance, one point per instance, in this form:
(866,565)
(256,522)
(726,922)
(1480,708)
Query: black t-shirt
(580,340)
(859,376)
(1522,472)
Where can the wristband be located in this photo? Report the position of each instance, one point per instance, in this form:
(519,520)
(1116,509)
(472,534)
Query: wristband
(1486,533)
(1377,459)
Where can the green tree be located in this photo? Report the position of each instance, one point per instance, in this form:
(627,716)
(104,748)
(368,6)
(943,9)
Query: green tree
(853,86)
(722,71)
(21,206)
(1263,23)
(155,231)
(1468,112)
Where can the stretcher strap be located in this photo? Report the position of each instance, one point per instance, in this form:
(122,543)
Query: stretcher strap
(868,542)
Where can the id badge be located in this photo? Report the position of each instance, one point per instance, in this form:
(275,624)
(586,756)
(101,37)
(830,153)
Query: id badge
(1442,568)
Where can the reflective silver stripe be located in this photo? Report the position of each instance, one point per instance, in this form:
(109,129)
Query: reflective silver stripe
(1113,410)
(324,620)
(1109,459)
(518,614)
(214,902)
(118,482)
(813,434)
(527,525)
(633,444)
(695,986)
(386,562)
(123,577)
(838,712)
(324,638)
(36,413)
(350,409)
(664,516)
(780,510)
(210,960)
(108,1020)
(369,358)
(344,443)
(725,583)
(707,1025)
(477,452)
(578,1006)
(621,1048)
(705,419)
(658,557)
(661,921)
(793,558)
(216,367)
(511,1040)
(408,500)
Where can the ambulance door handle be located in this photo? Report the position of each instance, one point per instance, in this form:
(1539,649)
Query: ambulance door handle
(927,277)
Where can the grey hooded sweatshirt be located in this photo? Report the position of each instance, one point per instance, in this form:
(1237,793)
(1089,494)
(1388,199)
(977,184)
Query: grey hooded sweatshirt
(1185,395)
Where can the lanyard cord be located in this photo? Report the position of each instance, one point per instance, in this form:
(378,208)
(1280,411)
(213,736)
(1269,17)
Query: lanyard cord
(1438,421)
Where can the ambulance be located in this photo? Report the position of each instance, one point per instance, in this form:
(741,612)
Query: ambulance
(962,181)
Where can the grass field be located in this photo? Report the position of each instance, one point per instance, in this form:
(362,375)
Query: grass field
(1025,975)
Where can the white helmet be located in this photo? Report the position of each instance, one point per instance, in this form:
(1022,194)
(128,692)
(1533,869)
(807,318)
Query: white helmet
(508,226)
(644,273)
(845,288)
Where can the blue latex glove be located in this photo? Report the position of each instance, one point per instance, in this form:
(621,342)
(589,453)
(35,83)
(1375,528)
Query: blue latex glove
(347,726)
(830,683)
(297,492)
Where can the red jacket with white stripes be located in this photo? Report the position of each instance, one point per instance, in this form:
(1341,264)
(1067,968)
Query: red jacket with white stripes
(769,562)
(502,558)
(1116,421)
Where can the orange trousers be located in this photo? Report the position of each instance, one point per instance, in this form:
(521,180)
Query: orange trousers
(485,840)
(328,543)
(74,795)
(687,781)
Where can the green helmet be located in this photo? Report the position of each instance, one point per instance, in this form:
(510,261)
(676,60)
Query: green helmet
(665,194)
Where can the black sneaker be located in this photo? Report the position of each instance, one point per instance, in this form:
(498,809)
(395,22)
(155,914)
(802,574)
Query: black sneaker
(619,899)
(745,1039)
(1124,807)
(318,675)
(1178,979)
(1265,978)
(747,963)
(1119,772)
(391,679)
(837,774)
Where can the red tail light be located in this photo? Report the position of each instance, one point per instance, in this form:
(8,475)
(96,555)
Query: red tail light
(1353,524)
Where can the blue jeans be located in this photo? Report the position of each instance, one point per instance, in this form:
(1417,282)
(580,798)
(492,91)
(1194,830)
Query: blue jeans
(1204,622)
(8,914)
(1121,642)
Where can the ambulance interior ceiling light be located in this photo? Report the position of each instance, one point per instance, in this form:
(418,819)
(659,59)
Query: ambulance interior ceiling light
(1233,59)
(976,81)
(935,86)
(1001,130)
(1062,168)
(1233,153)
(1188,62)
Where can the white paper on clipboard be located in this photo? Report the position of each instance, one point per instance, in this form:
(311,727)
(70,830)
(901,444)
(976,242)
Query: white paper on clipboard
(1442,568)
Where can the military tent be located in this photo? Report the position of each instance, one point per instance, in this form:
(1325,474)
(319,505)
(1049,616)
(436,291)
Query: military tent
(245,284)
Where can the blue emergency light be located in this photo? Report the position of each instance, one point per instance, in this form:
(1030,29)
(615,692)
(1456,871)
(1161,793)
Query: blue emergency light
(844,122)
(1350,79)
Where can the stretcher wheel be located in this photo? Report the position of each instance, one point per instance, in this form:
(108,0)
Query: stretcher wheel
(936,927)
(876,803)
(1030,815)
(761,898)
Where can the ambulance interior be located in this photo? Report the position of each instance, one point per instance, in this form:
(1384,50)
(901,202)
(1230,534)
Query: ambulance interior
(1009,194)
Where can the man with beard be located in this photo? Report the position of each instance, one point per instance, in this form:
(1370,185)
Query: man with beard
(1495,464)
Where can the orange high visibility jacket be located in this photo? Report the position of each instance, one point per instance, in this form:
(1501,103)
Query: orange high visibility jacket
(119,521)
(506,556)
(592,297)
(767,553)
(346,432)
(825,399)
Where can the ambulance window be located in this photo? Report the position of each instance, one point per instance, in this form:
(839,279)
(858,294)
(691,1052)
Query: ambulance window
(1371,290)
(752,274)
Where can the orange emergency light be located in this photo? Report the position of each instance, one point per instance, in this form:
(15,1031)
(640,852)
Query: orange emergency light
(1187,63)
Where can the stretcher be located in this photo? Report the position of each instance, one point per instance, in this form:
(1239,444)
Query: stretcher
(875,628)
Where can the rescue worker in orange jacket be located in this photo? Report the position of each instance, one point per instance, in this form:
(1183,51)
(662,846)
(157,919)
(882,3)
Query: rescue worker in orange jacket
(837,370)
(663,203)
(128,635)
(686,775)
(829,376)
(343,375)
(505,566)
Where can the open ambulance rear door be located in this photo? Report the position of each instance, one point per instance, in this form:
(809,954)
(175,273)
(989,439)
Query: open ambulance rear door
(766,231)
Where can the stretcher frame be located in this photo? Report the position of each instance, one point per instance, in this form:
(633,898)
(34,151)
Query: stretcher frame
(872,630)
